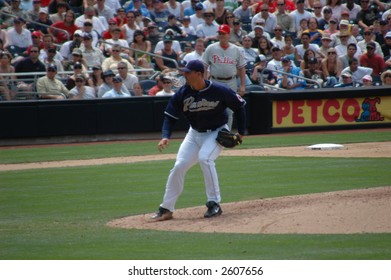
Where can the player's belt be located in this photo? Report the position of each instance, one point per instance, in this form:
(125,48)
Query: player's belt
(204,130)
(223,78)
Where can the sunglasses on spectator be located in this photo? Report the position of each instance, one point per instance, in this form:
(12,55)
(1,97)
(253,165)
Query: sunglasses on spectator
(334,22)
(281,4)
(387,76)
(367,33)
(265,10)
(166,82)
(229,17)
(317,7)
(51,70)
(79,81)
(52,51)
(77,67)
(277,29)
(121,68)
(115,50)
(332,53)
(33,51)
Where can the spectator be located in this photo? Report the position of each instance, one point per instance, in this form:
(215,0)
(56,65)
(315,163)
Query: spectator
(62,9)
(167,65)
(307,55)
(336,7)
(42,22)
(68,24)
(347,58)
(89,27)
(326,45)
(299,14)
(367,15)
(289,50)
(331,68)
(158,87)
(199,49)
(265,47)
(209,4)
(315,33)
(346,81)
(48,43)
(256,35)
(107,33)
(198,17)
(189,11)
(260,74)
(358,72)
(77,57)
(342,47)
(186,27)
(175,8)
(115,40)
(96,78)
(128,80)
(317,7)
(291,82)
(108,84)
(130,27)
(89,16)
(269,18)
(220,12)
(10,12)
(386,78)
(137,90)
(332,26)
(19,38)
(369,38)
(30,64)
(104,10)
(382,32)
(173,25)
(314,73)
(305,44)
(278,40)
(92,55)
(67,47)
(153,35)
(303,27)
(7,90)
(283,18)
(386,47)
(48,87)
(111,63)
(243,12)
(372,60)
(367,81)
(81,90)
(250,54)
(160,13)
(33,13)
(176,46)
(51,58)
(77,70)
(352,9)
(167,87)
(140,42)
(117,90)
(208,29)
(275,63)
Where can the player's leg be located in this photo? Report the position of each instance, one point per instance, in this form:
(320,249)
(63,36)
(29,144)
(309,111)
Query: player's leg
(187,156)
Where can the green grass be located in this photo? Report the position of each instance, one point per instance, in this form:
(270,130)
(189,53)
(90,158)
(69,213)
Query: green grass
(61,213)
(113,149)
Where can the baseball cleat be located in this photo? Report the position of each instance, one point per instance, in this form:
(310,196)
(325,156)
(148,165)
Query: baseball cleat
(162,215)
(214,209)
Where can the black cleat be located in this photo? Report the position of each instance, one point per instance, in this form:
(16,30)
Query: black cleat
(162,215)
(214,209)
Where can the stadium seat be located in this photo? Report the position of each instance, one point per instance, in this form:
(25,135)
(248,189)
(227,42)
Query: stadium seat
(147,85)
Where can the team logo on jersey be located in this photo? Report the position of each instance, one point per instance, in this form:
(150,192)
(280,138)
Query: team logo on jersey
(223,60)
(189,104)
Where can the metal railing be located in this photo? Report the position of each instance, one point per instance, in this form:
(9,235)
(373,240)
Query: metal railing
(291,75)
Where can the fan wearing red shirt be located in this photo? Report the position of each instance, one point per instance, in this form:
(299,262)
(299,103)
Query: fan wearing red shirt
(107,34)
(372,60)
(289,6)
(67,24)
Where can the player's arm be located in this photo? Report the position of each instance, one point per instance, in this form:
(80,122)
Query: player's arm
(241,120)
(242,77)
(168,125)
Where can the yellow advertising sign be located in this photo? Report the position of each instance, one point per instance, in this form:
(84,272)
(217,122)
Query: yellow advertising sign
(338,111)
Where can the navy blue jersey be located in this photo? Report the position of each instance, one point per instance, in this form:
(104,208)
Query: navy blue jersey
(204,109)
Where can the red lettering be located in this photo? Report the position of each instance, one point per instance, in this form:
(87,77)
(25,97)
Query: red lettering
(282,110)
(314,104)
(350,117)
(297,111)
(330,117)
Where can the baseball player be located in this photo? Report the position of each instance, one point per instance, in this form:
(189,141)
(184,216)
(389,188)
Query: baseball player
(226,62)
(203,103)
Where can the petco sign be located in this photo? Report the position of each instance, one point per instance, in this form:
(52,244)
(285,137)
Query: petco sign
(323,112)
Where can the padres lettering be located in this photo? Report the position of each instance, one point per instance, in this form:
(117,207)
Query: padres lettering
(191,105)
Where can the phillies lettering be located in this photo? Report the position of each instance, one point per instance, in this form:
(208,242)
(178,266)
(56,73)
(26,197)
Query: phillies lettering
(223,60)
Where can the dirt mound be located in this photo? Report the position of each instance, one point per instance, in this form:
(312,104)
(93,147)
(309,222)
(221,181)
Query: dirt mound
(353,211)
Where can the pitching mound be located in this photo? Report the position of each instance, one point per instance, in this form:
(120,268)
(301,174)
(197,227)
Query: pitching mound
(355,211)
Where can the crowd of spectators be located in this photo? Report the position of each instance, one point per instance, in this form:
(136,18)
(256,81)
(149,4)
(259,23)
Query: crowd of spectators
(331,43)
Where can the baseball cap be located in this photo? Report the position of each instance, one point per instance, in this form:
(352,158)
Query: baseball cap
(347,74)
(198,6)
(166,77)
(388,35)
(36,34)
(108,73)
(312,60)
(343,33)
(186,18)
(87,36)
(345,13)
(285,59)
(367,78)
(258,27)
(276,48)
(167,38)
(224,28)
(344,22)
(371,45)
(19,19)
(77,51)
(78,32)
(43,11)
(80,77)
(117,79)
(193,65)
(51,67)
(260,58)
(326,36)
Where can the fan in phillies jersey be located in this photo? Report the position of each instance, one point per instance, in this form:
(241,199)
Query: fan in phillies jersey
(203,103)
(226,62)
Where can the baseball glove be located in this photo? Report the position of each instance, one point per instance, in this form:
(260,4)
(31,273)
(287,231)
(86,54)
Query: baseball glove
(228,139)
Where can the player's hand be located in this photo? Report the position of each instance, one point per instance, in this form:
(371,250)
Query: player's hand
(242,90)
(163,144)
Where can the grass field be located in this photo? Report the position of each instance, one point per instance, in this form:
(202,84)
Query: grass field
(61,213)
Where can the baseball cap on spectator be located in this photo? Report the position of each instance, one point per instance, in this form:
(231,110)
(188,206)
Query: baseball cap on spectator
(209,12)
(87,36)
(77,65)
(36,34)
(388,34)
(117,79)
(198,7)
(259,21)
(157,1)
(80,77)
(51,67)
(326,36)
(19,20)
(327,10)
(371,45)
(77,51)
(111,21)
(345,13)
(166,77)
(152,25)
(260,58)
(87,22)
(108,73)
(52,48)
(43,11)
(224,28)
(285,59)
(346,74)
(78,33)
(312,60)
(343,33)
(383,22)
(171,16)
(367,78)
(344,22)
(193,65)
(167,38)
(276,48)
(187,18)
(96,67)
(169,31)
(333,20)
(258,27)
